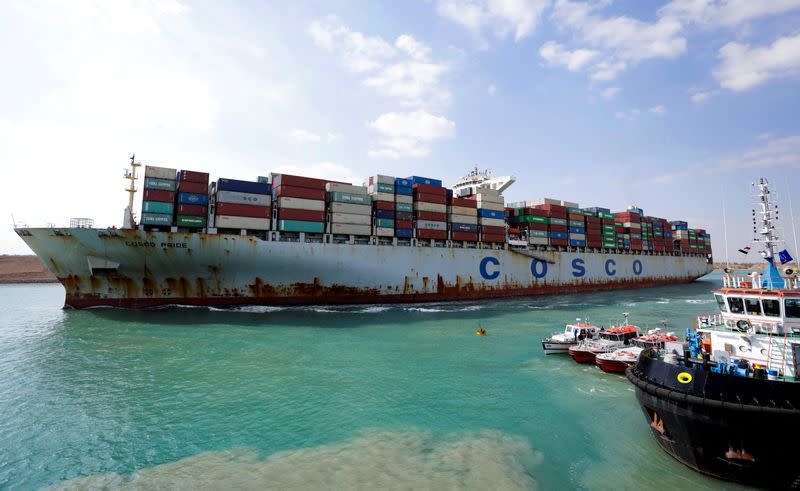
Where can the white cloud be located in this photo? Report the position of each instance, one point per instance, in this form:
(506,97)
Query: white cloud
(503,17)
(628,115)
(726,13)
(775,152)
(358,52)
(658,110)
(610,92)
(413,82)
(700,96)
(743,67)
(409,134)
(607,70)
(491,90)
(304,136)
(556,54)
(414,49)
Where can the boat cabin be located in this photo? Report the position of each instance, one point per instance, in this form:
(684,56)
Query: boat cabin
(580,331)
(620,333)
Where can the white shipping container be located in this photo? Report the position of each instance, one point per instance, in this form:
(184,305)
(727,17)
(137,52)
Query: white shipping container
(462,210)
(402,198)
(483,189)
(485,205)
(379,179)
(549,201)
(435,207)
(577,236)
(351,219)
(568,204)
(349,229)
(472,220)
(384,232)
(335,187)
(351,208)
(492,222)
(301,204)
(382,196)
(429,225)
(538,240)
(538,233)
(160,172)
(490,199)
(632,225)
(225,221)
(243,198)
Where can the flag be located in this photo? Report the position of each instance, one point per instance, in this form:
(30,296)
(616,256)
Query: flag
(745,250)
(785,257)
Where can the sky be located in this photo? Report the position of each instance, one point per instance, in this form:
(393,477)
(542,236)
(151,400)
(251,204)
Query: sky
(674,106)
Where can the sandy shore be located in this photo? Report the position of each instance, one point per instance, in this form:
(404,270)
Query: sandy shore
(24,269)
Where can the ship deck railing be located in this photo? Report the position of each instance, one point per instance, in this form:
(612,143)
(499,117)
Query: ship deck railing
(756,281)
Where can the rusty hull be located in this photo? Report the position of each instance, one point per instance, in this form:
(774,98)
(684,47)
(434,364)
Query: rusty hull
(137,269)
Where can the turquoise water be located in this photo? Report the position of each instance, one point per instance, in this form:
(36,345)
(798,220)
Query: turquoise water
(365,397)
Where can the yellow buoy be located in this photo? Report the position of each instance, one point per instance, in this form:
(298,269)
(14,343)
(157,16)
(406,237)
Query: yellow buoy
(684,377)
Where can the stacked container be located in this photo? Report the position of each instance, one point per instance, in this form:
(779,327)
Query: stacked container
(430,208)
(191,208)
(381,190)
(594,229)
(349,210)
(576,226)
(299,203)
(491,215)
(607,228)
(403,208)
(631,229)
(557,225)
(462,219)
(158,202)
(680,236)
(243,205)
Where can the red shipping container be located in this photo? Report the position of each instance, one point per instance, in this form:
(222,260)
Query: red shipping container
(559,242)
(486,229)
(300,192)
(430,189)
(559,228)
(628,217)
(591,227)
(463,202)
(594,221)
(432,234)
(192,187)
(493,238)
(279,180)
(537,226)
(159,195)
(555,213)
(194,176)
(402,224)
(383,205)
(464,236)
(192,210)
(576,217)
(433,216)
(556,208)
(431,198)
(239,210)
(594,243)
(513,231)
(608,221)
(619,230)
(304,215)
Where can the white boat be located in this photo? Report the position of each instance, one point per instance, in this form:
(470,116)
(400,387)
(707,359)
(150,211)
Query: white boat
(572,335)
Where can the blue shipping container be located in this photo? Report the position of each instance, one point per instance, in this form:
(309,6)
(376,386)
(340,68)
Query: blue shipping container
(405,233)
(404,190)
(424,180)
(577,243)
(192,199)
(384,214)
(463,227)
(577,230)
(558,235)
(597,209)
(399,181)
(490,213)
(238,186)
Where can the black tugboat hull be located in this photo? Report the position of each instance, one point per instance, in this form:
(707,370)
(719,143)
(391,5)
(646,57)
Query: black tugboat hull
(746,443)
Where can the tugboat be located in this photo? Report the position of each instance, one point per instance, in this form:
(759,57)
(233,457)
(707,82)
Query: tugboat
(572,335)
(607,340)
(619,360)
(727,403)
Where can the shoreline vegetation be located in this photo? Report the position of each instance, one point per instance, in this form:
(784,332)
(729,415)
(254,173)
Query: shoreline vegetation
(24,269)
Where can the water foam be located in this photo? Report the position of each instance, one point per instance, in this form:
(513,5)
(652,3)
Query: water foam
(373,460)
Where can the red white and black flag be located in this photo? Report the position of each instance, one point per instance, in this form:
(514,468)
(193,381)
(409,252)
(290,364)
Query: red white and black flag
(745,249)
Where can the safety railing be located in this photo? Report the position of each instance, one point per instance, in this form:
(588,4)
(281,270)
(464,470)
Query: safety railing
(761,282)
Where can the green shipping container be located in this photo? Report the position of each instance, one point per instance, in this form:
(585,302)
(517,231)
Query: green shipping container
(156,219)
(190,221)
(385,222)
(609,244)
(340,197)
(636,236)
(158,207)
(403,207)
(608,228)
(619,224)
(535,219)
(605,215)
(165,184)
(589,213)
(301,226)
(385,188)
(575,211)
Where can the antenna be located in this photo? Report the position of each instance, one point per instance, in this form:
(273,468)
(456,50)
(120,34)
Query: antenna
(725,229)
(791,215)
(130,174)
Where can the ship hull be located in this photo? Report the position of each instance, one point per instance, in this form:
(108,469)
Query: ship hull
(138,269)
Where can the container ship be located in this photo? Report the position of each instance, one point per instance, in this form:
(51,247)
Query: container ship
(293,240)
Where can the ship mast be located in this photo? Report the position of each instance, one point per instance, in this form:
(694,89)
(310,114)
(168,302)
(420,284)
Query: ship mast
(763,221)
(130,174)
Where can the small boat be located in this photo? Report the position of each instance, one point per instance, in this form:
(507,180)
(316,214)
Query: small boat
(572,335)
(480,332)
(618,360)
(607,340)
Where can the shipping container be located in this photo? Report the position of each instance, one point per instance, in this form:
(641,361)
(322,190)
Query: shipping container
(237,186)
(359,199)
(351,208)
(384,214)
(193,198)
(222,221)
(380,179)
(298,181)
(468,236)
(349,229)
(463,227)
(237,197)
(431,234)
(423,180)
(484,213)
(431,198)
(403,190)
(382,197)
(298,192)
(193,176)
(404,233)
(383,205)
(381,188)
(462,210)
(160,172)
(384,222)
(402,182)
(403,215)
(430,216)
(384,232)
(488,229)
(495,239)
(351,219)
(335,187)
(164,184)
(192,210)
(190,221)
(159,195)
(432,207)
(156,219)
(403,223)
(473,220)
(406,200)
(301,226)
(403,207)
(158,207)
(302,204)
(492,222)
(431,225)
(192,187)
(294,214)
